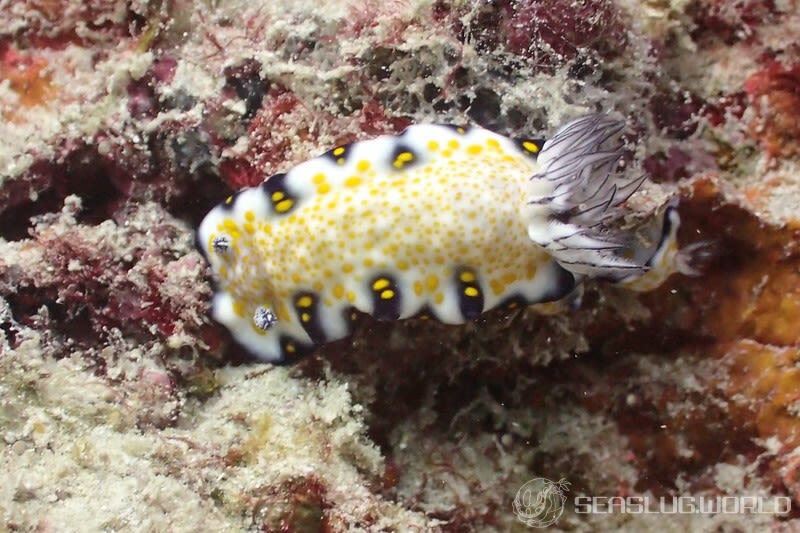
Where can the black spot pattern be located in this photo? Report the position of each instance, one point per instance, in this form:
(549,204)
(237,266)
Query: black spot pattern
(277,194)
(426,313)
(306,305)
(530,147)
(292,350)
(339,154)
(461,130)
(470,294)
(227,205)
(403,157)
(385,298)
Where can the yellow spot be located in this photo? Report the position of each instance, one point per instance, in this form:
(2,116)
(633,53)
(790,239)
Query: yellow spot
(340,161)
(388,294)
(471,291)
(509,278)
(351,296)
(305,317)
(530,146)
(238,308)
(249,216)
(380,284)
(249,228)
(352,181)
(419,288)
(338,151)
(368,262)
(363,165)
(467,277)
(338,291)
(433,146)
(432,283)
(230,225)
(446,153)
(277,196)
(305,301)
(512,305)
(284,205)
(402,265)
(493,143)
(454,144)
(497,286)
(403,158)
(438,298)
(474,149)
(347,268)
(460,130)
(229,200)
(318,178)
(324,188)
(290,348)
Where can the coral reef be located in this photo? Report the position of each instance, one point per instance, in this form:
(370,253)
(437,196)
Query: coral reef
(123,407)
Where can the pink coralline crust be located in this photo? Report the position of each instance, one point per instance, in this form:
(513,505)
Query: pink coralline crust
(269,147)
(55,23)
(730,21)
(676,114)
(669,166)
(724,107)
(95,280)
(296,505)
(559,30)
(774,94)
(271,151)
(143,97)
(547,34)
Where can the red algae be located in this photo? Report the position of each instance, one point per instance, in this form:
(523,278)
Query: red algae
(562,30)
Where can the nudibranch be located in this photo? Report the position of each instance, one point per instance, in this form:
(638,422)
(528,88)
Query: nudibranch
(439,221)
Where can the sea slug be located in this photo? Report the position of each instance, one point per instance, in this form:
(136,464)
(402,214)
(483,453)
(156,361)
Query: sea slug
(441,221)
